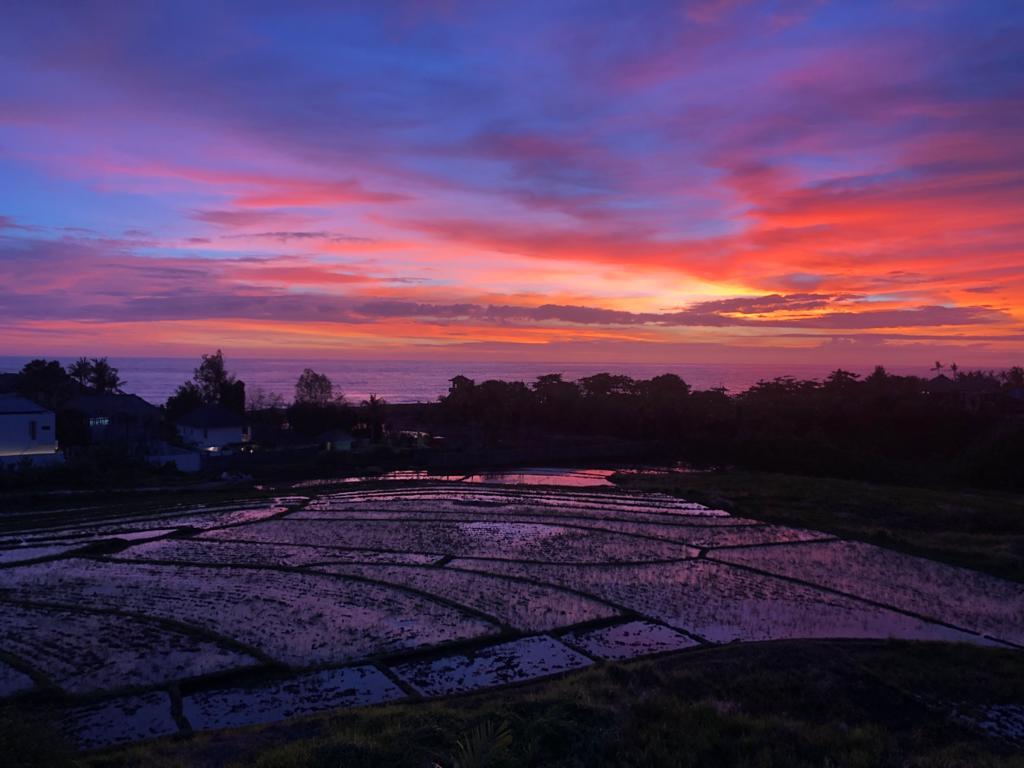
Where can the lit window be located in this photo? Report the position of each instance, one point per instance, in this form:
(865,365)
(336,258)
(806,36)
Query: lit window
(99,421)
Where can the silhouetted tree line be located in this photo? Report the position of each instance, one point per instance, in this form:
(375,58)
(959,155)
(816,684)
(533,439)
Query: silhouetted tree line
(318,409)
(885,427)
(967,427)
(211,384)
(47,383)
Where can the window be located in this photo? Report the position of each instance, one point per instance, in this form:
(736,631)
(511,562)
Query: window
(32,429)
(99,421)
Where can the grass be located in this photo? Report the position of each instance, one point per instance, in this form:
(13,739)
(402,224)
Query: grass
(793,704)
(982,530)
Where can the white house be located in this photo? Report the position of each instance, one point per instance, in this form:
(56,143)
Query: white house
(211,428)
(27,431)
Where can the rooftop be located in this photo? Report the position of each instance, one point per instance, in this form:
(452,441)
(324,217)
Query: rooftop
(91,403)
(10,404)
(212,417)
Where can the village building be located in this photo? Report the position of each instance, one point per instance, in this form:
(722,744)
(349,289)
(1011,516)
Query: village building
(116,418)
(212,428)
(971,392)
(27,432)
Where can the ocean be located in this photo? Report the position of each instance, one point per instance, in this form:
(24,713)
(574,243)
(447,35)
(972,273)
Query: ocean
(410,381)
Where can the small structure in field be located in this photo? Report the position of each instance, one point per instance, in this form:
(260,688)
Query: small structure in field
(212,428)
(27,431)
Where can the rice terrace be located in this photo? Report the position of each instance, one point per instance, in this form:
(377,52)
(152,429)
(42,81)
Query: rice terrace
(193,618)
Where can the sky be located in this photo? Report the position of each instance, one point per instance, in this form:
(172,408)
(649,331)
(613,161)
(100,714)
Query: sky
(706,181)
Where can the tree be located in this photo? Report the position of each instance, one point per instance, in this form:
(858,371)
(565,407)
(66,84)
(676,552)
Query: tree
(103,377)
(840,381)
(460,402)
(557,400)
(232,396)
(553,391)
(313,388)
(877,376)
(373,410)
(217,386)
(605,384)
(81,370)
(212,378)
(186,398)
(47,383)
(666,387)
(1013,377)
(501,407)
(261,400)
(211,384)
(96,375)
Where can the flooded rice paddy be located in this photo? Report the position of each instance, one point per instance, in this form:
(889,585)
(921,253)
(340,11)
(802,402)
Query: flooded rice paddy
(629,640)
(516,661)
(211,617)
(302,694)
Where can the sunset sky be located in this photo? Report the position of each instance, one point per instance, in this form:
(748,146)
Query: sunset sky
(707,181)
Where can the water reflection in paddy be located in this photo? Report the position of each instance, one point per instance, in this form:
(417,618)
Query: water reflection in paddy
(438,586)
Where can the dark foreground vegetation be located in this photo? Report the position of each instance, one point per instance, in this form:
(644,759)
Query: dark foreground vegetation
(795,704)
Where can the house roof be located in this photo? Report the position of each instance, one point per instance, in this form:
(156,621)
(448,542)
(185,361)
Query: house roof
(92,404)
(977,385)
(11,404)
(940,385)
(212,417)
(965,385)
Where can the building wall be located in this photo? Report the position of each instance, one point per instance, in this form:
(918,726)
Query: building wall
(121,428)
(16,434)
(210,438)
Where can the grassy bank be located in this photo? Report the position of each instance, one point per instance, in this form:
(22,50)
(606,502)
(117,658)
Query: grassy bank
(778,704)
(983,530)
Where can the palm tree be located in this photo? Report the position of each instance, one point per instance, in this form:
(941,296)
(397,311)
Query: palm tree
(104,377)
(482,746)
(81,371)
(938,367)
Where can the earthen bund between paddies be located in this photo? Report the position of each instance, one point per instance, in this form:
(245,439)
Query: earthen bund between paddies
(133,627)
